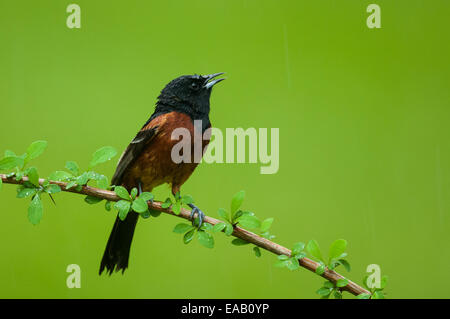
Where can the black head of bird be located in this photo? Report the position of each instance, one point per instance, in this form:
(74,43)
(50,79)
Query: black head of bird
(189,94)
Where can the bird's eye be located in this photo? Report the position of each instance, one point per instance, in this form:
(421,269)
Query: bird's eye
(195,86)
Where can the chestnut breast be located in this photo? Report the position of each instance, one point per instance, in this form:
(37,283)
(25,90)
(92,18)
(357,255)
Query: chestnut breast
(155,166)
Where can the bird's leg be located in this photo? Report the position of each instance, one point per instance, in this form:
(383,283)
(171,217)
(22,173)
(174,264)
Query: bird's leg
(139,187)
(195,209)
(200,214)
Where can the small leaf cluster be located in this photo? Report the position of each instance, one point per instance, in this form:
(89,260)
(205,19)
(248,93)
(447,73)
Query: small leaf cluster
(236,216)
(375,292)
(130,201)
(204,233)
(74,178)
(336,255)
(332,289)
(31,188)
(178,203)
(34,189)
(244,219)
(292,262)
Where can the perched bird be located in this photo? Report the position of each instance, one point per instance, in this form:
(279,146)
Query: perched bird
(147,162)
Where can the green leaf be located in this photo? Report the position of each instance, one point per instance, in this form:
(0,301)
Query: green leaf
(292,264)
(182,228)
(283,257)
(383,283)
(146,214)
(102,182)
(167,203)
(257,251)
(328,284)
(314,250)
(92,199)
(73,167)
(345,263)
(108,205)
(239,242)
(236,201)
(298,248)
(154,213)
(176,208)
(60,176)
(123,214)
(187,199)
(300,255)
(33,176)
(35,210)
(11,162)
(34,150)
(320,270)
(206,239)
(83,178)
(267,235)
(337,248)
(341,283)
(223,213)
(52,188)
(363,296)
(1,183)
(9,153)
(139,205)
(122,192)
(70,185)
(229,229)
(102,155)
(249,221)
(187,238)
(337,294)
(25,192)
(92,175)
(266,224)
(343,255)
(365,283)
(206,226)
(378,295)
(219,227)
(133,193)
(146,196)
(123,207)
(324,291)
(27,184)
(19,176)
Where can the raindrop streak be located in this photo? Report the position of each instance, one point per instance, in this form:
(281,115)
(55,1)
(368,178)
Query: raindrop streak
(370,226)
(439,186)
(286,55)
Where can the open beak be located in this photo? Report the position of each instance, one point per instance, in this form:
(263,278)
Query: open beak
(209,82)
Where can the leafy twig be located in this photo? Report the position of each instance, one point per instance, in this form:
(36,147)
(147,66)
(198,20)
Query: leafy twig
(237,232)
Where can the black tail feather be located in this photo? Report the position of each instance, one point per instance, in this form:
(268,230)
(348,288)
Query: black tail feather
(117,249)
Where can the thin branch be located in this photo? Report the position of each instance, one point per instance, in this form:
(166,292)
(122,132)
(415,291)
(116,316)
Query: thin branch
(238,232)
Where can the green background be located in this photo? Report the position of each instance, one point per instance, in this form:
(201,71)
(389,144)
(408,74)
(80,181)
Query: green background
(364,139)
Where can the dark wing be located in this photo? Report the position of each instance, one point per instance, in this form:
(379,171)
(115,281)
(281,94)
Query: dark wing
(132,152)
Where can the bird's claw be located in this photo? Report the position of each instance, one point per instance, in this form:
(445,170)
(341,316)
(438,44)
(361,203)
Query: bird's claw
(200,214)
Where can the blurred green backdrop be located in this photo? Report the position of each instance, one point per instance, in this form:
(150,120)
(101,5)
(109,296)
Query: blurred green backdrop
(364,139)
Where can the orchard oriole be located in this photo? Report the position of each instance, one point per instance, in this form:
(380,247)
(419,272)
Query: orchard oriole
(147,161)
